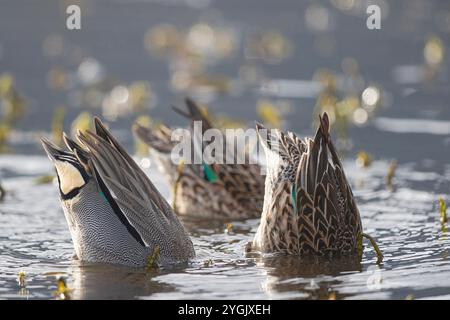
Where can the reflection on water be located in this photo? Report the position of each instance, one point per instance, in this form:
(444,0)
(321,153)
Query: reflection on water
(113,282)
(292,277)
(34,238)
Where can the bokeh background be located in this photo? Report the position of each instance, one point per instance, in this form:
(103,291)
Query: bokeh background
(279,62)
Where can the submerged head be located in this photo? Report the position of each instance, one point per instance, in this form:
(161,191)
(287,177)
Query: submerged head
(72,176)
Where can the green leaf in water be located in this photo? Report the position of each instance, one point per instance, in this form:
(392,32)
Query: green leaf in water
(63,291)
(22,278)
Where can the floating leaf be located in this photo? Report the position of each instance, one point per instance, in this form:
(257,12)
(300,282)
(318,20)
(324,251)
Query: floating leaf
(21,279)
(229,228)
(207,263)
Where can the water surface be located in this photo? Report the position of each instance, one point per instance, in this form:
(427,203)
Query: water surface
(411,126)
(35,238)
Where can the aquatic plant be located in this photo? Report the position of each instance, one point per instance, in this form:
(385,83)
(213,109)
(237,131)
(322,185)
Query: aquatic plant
(154,259)
(208,263)
(21,279)
(374,244)
(443,210)
(364,159)
(391,174)
(229,228)
(13,107)
(63,292)
(270,114)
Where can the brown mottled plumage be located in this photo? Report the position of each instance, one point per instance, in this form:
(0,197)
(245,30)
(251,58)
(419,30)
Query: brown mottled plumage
(237,193)
(309,207)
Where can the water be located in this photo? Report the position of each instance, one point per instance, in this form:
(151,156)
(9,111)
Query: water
(412,127)
(405,222)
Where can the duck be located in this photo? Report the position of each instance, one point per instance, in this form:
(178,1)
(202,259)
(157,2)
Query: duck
(207,191)
(309,208)
(114,212)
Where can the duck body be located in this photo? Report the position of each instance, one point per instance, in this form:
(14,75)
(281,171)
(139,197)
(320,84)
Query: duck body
(114,213)
(309,208)
(98,234)
(198,196)
(216,191)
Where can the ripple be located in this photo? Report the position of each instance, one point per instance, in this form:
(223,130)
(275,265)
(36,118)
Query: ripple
(405,222)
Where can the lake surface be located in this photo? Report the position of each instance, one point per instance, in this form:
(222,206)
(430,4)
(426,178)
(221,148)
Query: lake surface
(35,239)
(412,126)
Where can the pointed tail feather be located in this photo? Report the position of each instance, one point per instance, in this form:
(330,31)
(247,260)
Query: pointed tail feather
(158,139)
(194,113)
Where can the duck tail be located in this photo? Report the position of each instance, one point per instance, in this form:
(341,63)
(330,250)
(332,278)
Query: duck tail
(80,153)
(158,139)
(194,113)
(323,132)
